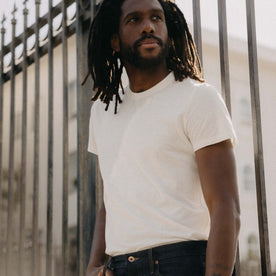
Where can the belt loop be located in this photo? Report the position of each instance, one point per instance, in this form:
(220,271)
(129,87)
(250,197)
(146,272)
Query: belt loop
(151,262)
(157,273)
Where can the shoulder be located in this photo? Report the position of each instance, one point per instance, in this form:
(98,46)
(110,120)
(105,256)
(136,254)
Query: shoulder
(191,86)
(100,111)
(203,88)
(192,91)
(205,99)
(97,111)
(96,107)
(205,93)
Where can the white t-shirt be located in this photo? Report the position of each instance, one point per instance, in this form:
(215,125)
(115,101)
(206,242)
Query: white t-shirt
(152,191)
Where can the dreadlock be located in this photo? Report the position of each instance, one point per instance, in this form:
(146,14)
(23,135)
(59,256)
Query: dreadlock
(183,58)
(105,66)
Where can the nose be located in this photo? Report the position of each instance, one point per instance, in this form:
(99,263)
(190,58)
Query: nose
(148,27)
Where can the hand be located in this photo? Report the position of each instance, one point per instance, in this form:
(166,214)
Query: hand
(98,271)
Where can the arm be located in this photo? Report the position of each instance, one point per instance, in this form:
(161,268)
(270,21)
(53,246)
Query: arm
(216,165)
(97,255)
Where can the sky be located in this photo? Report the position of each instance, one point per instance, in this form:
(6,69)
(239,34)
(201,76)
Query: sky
(236,15)
(236,18)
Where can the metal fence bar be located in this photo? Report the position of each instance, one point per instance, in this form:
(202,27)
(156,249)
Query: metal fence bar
(23,148)
(93,7)
(257,138)
(49,247)
(86,191)
(35,252)
(42,22)
(80,175)
(44,48)
(92,165)
(65,248)
(10,218)
(224,57)
(197,28)
(86,182)
(225,76)
(1,129)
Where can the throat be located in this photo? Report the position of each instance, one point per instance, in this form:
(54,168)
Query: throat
(141,81)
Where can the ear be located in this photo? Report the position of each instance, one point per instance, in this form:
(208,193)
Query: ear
(115,43)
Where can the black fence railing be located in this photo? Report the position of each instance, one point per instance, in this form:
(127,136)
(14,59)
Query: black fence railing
(21,229)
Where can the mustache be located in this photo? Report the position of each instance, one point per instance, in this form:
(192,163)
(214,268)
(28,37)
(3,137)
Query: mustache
(140,40)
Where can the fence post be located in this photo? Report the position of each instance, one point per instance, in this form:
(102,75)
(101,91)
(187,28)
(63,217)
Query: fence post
(65,248)
(257,138)
(86,164)
(35,237)
(10,218)
(2,241)
(224,57)
(49,243)
(197,28)
(23,147)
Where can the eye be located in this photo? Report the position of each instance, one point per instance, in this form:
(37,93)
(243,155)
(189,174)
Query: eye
(157,18)
(133,19)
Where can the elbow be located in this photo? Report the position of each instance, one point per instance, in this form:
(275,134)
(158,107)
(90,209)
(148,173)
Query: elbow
(237,219)
(101,213)
(235,207)
(101,210)
(226,214)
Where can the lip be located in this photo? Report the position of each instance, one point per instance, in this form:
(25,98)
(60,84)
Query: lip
(149,43)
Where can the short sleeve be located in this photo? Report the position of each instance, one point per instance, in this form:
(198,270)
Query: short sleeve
(91,140)
(207,119)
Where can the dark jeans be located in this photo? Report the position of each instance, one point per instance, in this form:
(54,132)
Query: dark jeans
(178,259)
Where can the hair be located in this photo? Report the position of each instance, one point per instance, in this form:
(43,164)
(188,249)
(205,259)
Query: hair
(105,66)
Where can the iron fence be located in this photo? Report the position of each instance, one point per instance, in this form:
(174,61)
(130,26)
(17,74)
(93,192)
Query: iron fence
(11,247)
(20,236)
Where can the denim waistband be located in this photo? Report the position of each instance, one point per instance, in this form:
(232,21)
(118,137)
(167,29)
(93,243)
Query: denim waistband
(149,258)
(174,249)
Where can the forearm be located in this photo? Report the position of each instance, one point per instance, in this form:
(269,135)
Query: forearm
(97,255)
(222,242)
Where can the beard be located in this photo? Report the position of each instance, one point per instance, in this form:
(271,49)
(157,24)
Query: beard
(132,55)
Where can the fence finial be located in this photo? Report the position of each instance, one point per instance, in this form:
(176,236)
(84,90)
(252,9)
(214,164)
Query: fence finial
(25,3)
(14,11)
(3,20)
(25,10)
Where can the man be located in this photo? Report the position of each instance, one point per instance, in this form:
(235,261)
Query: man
(165,149)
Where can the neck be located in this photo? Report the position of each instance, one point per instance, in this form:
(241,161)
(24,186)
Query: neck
(141,80)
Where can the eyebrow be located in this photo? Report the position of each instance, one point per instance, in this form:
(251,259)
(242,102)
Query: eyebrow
(140,12)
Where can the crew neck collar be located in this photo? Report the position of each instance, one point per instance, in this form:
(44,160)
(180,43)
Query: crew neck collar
(169,79)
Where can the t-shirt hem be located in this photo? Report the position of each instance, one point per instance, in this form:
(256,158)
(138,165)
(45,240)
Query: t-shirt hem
(89,149)
(215,140)
(150,245)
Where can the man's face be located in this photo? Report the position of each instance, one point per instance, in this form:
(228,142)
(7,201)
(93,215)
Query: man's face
(143,35)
